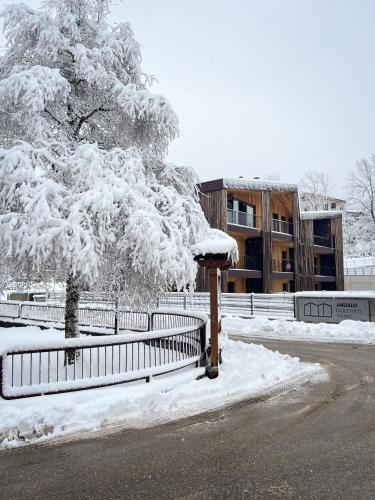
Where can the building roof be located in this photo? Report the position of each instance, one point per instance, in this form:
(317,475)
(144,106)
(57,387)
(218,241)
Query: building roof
(250,184)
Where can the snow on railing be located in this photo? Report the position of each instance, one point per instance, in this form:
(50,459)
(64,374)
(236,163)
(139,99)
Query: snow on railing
(360,271)
(174,340)
(10,309)
(241,304)
(42,313)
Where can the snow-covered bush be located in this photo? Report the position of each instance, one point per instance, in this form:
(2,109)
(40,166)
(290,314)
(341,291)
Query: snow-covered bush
(82,161)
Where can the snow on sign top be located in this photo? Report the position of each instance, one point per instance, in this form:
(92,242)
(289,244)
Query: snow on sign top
(321,214)
(349,294)
(259,184)
(217,242)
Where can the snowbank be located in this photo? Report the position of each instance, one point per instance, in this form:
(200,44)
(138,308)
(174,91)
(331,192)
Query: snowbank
(247,371)
(357,332)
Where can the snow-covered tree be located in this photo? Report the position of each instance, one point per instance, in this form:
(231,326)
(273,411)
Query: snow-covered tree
(358,234)
(314,188)
(82,161)
(361,186)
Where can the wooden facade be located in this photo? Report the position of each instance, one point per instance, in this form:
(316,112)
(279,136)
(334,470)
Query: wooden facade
(278,248)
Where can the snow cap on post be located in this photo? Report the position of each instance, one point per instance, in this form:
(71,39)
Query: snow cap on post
(216,249)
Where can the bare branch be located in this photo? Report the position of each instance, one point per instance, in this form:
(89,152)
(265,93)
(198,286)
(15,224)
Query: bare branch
(86,117)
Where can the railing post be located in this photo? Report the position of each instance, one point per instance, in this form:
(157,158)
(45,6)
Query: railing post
(252,304)
(202,334)
(116,321)
(185,302)
(150,323)
(20,311)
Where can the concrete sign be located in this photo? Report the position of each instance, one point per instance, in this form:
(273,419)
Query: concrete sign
(328,310)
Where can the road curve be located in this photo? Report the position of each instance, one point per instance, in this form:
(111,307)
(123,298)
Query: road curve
(315,442)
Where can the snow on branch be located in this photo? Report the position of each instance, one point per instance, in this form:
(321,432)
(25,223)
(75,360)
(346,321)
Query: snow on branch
(32,89)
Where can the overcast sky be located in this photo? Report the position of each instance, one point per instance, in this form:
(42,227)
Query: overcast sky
(262,87)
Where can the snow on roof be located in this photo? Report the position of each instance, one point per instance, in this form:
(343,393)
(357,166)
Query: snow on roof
(322,197)
(215,242)
(260,185)
(339,295)
(321,214)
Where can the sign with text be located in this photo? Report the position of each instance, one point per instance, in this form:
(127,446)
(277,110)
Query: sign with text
(329,310)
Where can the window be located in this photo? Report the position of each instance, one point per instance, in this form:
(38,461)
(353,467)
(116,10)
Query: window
(231,287)
(241,213)
(333,206)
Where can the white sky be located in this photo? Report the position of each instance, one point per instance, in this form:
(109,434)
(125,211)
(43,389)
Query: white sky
(278,86)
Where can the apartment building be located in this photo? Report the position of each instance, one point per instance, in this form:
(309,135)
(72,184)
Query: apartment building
(281,249)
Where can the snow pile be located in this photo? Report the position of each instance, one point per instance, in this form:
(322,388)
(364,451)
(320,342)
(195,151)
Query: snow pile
(247,371)
(260,185)
(357,332)
(217,242)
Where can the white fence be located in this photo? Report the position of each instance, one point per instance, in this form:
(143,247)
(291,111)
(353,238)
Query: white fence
(239,304)
(99,317)
(360,271)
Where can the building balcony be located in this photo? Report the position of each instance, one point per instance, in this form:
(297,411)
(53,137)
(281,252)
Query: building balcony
(249,262)
(243,219)
(282,266)
(324,241)
(324,270)
(282,226)
(248,266)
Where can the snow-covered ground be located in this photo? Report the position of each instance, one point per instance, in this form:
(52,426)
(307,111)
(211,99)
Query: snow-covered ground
(357,332)
(247,371)
(355,262)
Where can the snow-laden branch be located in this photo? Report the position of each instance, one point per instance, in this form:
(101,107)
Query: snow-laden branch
(34,88)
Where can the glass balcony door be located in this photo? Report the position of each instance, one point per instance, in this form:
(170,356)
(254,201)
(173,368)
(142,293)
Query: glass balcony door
(241,213)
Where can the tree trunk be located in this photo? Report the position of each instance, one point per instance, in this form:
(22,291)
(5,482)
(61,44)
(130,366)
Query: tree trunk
(71,314)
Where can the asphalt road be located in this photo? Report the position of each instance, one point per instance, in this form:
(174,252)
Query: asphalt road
(315,442)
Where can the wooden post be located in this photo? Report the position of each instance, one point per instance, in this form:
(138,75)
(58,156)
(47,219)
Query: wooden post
(214,263)
(212,371)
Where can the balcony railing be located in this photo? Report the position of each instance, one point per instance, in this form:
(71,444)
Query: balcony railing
(243,218)
(325,270)
(283,266)
(282,226)
(324,241)
(249,262)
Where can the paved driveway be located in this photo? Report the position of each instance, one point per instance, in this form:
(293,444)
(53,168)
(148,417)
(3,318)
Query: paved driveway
(314,442)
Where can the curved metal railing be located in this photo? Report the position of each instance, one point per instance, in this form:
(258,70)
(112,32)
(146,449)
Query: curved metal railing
(173,341)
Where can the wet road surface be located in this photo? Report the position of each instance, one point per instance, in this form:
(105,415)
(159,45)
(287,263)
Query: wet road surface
(314,442)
